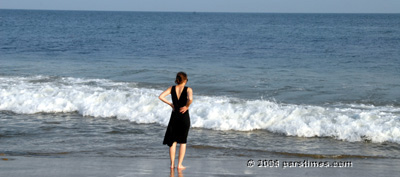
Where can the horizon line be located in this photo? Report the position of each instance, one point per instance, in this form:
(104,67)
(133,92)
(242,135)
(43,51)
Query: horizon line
(204,11)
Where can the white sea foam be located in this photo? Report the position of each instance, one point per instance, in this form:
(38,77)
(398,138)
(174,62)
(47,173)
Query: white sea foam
(125,101)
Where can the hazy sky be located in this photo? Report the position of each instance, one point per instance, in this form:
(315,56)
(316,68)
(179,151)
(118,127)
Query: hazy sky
(307,6)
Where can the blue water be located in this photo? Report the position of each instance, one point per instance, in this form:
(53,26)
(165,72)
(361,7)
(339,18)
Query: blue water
(293,58)
(286,78)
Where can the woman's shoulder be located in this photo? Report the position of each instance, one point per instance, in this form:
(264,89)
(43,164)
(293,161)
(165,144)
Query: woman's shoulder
(170,88)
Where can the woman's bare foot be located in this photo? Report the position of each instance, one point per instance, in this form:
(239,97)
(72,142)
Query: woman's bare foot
(181,167)
(172,166)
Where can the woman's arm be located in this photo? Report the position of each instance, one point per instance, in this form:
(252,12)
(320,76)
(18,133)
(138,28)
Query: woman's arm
(164,94)
(189,101)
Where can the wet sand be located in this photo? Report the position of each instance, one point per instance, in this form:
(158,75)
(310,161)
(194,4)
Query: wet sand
(22,166)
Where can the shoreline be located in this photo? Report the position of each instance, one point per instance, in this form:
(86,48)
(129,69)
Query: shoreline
(23,166)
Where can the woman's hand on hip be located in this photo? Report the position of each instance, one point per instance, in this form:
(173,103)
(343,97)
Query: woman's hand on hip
(183,109)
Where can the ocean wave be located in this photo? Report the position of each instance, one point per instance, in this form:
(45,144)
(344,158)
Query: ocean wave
(126,101)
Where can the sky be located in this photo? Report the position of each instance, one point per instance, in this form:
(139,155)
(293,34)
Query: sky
(269,6)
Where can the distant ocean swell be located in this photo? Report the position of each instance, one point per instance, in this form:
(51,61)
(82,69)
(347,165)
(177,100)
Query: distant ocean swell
(125,101)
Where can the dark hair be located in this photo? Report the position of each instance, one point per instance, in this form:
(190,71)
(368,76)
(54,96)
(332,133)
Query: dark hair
(180,77)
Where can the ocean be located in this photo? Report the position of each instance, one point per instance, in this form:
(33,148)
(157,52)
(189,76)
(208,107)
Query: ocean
(86,83)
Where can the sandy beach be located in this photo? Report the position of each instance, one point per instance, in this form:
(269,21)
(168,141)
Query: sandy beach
(110,166)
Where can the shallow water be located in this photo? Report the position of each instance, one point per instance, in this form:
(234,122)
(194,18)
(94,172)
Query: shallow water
(70,134)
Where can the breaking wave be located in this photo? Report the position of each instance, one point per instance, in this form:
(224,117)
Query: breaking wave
(127,101)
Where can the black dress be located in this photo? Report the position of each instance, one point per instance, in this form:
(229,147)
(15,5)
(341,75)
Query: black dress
(178,126)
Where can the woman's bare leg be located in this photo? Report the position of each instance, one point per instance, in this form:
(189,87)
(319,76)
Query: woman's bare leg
(182,150)
(172,150)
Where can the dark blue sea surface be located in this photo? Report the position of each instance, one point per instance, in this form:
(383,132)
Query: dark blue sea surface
(293,58)
(291,79)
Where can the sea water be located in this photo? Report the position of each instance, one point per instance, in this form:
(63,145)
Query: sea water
(86,83)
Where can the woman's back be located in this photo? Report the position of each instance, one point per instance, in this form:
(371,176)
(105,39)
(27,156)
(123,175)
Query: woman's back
(179,96)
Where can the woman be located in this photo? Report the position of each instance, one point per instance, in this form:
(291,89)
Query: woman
(179,123)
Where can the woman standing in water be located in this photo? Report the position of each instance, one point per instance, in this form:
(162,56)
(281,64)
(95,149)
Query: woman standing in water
(179,123)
